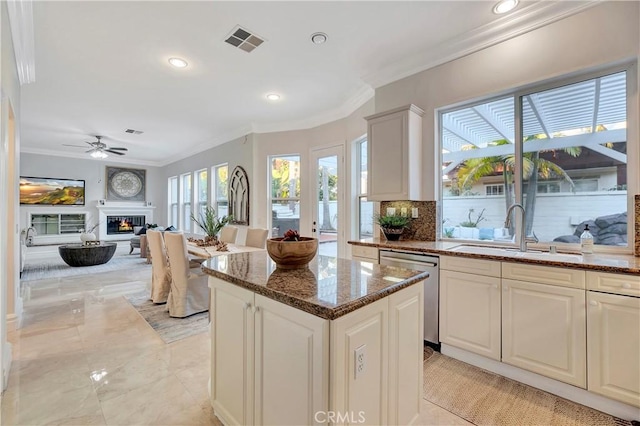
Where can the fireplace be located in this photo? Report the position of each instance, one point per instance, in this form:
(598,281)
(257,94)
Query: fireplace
(111,216)
(123,224)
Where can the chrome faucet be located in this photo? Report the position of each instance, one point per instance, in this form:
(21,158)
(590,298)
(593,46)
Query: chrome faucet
(523,227)
(31,231)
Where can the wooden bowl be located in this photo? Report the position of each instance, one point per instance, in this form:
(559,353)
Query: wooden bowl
(292,254)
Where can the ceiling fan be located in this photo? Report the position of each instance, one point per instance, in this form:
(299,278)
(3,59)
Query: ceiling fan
(99,149)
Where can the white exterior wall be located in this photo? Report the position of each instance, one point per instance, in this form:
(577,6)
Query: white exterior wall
(554,216)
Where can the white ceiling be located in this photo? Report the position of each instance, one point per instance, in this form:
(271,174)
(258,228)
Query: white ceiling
(101,67)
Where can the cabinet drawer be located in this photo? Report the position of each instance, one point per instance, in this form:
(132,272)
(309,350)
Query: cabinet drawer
(362,251)
(470,266)
(628,285)
(544,275)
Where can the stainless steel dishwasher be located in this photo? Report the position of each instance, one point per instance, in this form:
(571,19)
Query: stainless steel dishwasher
(420,262)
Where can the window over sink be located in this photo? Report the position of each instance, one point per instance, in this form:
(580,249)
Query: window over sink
(561,150)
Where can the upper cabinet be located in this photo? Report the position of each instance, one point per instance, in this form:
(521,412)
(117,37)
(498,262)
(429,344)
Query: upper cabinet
(394,154)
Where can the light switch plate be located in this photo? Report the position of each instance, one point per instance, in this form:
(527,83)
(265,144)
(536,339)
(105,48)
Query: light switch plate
(403,212)
(391,211)
(414,212)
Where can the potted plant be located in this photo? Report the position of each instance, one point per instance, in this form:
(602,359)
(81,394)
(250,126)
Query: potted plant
(392,225)
(468,227)
(211,224)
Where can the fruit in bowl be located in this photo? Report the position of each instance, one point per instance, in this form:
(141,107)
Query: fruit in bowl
(292,251)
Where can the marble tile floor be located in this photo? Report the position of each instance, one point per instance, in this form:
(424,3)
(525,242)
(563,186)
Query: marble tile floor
(84,356)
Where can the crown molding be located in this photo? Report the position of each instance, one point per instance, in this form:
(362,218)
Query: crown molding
(21,21)
(83,156)
(512,25)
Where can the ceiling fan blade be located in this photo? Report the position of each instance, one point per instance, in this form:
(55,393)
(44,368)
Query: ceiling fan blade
(119,149)
(91,150)
(114,152)
(89,143)
(76,146)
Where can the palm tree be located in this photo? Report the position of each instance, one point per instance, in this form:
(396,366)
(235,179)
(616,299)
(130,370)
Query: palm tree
(533,168)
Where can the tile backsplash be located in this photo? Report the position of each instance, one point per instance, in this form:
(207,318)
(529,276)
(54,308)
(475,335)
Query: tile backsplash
(422,228)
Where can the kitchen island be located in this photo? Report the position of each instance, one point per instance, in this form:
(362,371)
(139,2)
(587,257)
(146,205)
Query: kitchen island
(337,342)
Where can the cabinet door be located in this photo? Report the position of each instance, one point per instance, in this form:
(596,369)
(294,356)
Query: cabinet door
(291,364)
(544,329)
(406,352)
(613,337)
(395,154)
(232,337)
(359,389)
(470,312)
(388,157)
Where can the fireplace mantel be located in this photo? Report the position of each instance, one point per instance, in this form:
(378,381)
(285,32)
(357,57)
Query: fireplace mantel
(105,211)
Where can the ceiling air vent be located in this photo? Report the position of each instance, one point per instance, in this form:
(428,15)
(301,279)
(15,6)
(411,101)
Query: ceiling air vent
(134,132)
(243,39)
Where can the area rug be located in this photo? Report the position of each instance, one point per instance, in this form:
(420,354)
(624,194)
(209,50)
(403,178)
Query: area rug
(484,398)
(169,329)
(56,268)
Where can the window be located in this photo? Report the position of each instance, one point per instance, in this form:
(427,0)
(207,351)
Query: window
(365,208)
(185,204)
(494,189)
(284,199)
(221,189)
(173,201)
(566,158)
(201,191)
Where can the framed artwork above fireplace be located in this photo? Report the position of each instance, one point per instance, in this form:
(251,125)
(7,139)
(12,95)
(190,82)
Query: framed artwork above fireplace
(126,184)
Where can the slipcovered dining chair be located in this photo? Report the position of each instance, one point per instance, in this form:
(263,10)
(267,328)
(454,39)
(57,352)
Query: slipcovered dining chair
(256,237)
(228,234)
(189,290)
(160,272)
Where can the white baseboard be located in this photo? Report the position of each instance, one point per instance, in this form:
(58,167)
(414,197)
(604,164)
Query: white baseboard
(6,367)
(14,321)
(572,393)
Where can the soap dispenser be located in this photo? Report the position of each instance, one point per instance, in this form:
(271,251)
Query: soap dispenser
(586,241)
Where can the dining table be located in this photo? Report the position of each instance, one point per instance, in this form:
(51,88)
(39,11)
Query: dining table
(204,253)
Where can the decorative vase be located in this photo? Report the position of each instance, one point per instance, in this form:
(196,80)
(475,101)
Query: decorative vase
(87,236)
(392,234)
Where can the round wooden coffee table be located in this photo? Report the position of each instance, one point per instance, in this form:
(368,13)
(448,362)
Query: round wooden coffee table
(87,255)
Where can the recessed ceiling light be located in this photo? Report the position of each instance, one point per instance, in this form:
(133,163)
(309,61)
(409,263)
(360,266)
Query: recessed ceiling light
(178,62)
(273,97)
(318,38)
(504,6)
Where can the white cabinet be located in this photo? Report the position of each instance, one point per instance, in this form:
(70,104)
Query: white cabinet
(269,361)
(389,335)
(406,308)
(613,339)
(394,152)
(470,305)
(470,312)
(544,329)
(274,364)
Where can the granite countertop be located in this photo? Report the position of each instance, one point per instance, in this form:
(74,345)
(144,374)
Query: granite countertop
(329,288)
(616,263)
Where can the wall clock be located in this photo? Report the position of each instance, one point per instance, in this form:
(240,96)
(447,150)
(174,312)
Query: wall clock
(126,184)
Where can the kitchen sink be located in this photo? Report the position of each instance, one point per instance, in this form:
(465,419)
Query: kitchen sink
(513,252)
(486,250)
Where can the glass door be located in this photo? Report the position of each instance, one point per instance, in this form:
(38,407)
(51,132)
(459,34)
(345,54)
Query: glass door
(327,167)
